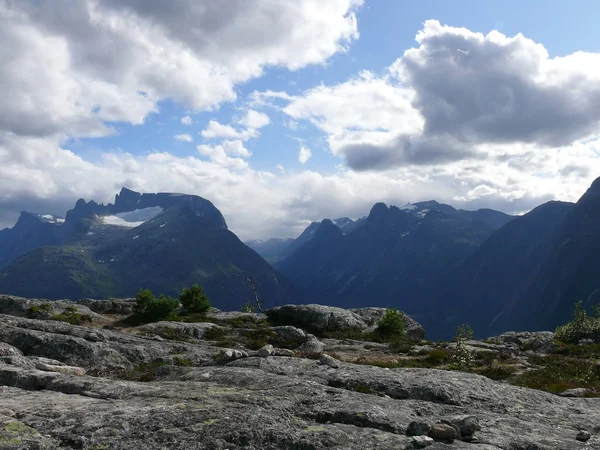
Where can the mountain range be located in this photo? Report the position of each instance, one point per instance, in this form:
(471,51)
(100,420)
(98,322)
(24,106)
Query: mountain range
(442,265)
(163,242)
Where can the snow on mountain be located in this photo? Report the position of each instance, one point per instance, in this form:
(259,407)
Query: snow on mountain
(132,219)
(49,218)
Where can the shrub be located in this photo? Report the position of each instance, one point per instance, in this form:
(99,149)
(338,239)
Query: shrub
(462,358)
(581,327)
(148,308)
(72,317)
(391,327)
(436,356)
(35,310)
(193,300)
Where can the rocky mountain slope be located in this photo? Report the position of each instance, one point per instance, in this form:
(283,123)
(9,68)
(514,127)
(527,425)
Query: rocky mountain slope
(390,257)
(173,385)
(528,275)
(159,241)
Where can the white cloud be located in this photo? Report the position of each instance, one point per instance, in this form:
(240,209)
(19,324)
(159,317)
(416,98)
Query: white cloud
(286,201)
(187,120)
(304,155)
(183,137)
(216,130)
(280,168)
(69,67)
(455,97)
(227,154)
(255,119)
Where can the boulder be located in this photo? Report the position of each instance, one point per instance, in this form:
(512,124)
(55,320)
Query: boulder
(289,336)
(316,318)
(265,351)
(443,431)
(312,345)
(327,360)
(232,354)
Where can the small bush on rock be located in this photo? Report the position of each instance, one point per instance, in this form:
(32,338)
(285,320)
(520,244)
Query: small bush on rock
(391,327)
(193,300)
(581,327)
(148,308)
(462,358)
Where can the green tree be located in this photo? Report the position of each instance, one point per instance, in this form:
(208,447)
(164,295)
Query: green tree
(148,308)
(391,326)
(193,300)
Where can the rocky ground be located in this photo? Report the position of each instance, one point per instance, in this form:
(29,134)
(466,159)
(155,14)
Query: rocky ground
(234,381)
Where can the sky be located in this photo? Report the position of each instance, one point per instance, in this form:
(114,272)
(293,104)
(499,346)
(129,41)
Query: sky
(283,112)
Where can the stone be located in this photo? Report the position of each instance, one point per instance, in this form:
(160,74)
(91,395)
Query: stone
(422,441)
(289,336)
(443,431)
(467,426)
(583,436)
(231,355)
(9,350)
(418,429)
(327,360)
(312,345)
(65,370)
(575,392)
(283,352)
(265,351)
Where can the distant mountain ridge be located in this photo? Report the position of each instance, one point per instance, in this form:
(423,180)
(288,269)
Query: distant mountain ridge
(530,273)
(387,257)
(159,241)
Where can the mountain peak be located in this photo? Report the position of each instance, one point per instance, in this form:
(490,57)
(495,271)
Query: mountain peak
(593,191)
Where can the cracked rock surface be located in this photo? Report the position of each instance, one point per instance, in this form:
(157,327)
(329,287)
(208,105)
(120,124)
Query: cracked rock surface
(192,399)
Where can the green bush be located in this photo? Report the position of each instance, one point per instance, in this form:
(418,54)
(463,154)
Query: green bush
(581,327)
(148,308)
(436,356)
(462,358)
(391,327)
(193,300)
(35,310)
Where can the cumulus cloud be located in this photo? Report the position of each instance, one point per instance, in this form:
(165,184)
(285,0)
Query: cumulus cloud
(187,120)
(71,66)
(227,154)
(304,155)
(183,137)
(216,130)
(255,119)
(452,97)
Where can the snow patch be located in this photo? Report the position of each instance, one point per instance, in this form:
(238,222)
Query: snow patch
(60,220)
(132,219)
(163,225)
(90,233)
(47,216)
(135,237)
(422,213)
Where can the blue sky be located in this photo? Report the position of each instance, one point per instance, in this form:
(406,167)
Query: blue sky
(494,106)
